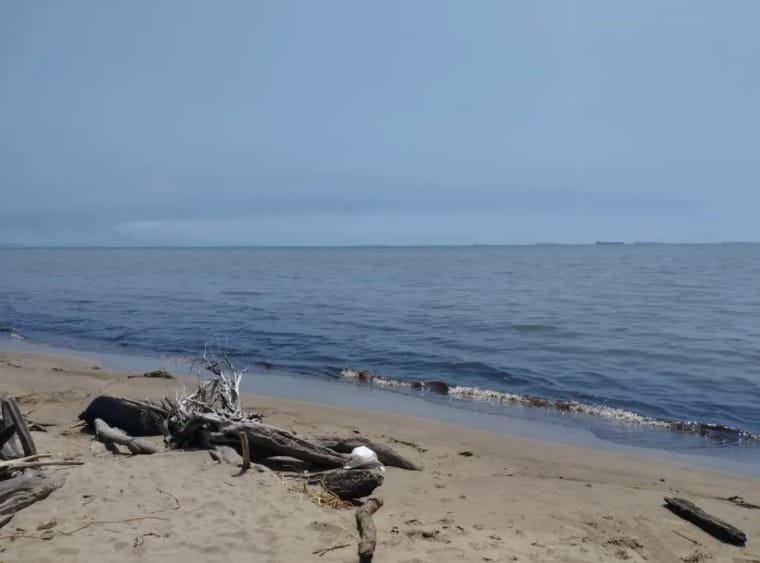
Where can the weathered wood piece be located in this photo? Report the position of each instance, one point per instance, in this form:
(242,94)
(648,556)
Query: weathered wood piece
(32,461)
(386,454)
(160,373)
(367,530)
(25,489)
(710,524)
(113,436)
(12,416)
(352,483)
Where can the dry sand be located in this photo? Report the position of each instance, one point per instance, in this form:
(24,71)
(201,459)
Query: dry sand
(511,500)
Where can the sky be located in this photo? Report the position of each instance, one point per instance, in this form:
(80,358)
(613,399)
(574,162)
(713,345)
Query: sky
(395,122)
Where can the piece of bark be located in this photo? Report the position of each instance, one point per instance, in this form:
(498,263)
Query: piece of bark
(385,454)
(367,530)
(710,524)
(276,440)
(352,483)
(25,489)
(114,436)
(12,416)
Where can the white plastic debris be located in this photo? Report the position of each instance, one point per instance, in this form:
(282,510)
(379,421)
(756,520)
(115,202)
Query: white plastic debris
(364,458)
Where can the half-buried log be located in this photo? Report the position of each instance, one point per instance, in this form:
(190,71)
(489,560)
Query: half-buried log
(387,455)
(367,530)
(352,483)
(121,413)
(710,524)
(114,436)
(25,489)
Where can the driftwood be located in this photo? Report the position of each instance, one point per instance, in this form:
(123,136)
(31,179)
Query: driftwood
(270,438)
(387,455)
(160,373)
(245,448)
(352,483)
(710,524)
(113,436)
(32,461)
(25,489)
(367,530)
(12,417)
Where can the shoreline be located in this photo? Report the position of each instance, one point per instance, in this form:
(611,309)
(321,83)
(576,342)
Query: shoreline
(580,430)
(508,498)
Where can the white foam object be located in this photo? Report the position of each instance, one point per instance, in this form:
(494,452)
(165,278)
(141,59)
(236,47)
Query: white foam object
(363,458)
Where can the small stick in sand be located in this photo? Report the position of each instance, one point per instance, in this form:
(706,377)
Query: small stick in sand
(321,552)
(245,450)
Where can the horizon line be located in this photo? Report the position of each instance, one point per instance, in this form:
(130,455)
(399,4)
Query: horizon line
(22,246)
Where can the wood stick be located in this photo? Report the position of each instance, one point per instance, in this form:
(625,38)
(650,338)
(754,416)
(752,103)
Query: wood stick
(246,450)
(321,552)
(710,524)
(109,435)
(367,530)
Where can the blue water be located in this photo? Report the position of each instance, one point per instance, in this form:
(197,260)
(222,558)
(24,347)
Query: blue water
(670,332)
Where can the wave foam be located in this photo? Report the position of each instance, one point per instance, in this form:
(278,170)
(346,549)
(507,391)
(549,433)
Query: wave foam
(619,415)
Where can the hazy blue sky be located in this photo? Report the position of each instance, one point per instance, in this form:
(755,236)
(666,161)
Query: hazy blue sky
(276,122)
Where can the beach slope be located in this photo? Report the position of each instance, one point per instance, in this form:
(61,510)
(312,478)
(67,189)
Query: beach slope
(481,496)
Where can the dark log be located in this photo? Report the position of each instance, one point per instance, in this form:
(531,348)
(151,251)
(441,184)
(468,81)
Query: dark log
(113,436)
(5,435)
(710,524)
(25,489)
(387,455)
(121,413)
(352,483)
(12,416)
(367,530)
(276,440)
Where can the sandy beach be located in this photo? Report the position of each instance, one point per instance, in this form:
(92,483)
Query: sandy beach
(480,497)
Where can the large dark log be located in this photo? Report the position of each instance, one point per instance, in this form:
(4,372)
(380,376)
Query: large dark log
(276,440)
(113,436)
(352,483)
(25,489)
(367,530)
(123,414)
(710,524)
(387,455)
(12,417)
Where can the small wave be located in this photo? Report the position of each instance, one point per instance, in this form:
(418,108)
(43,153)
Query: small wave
(12,333)
(708,430)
